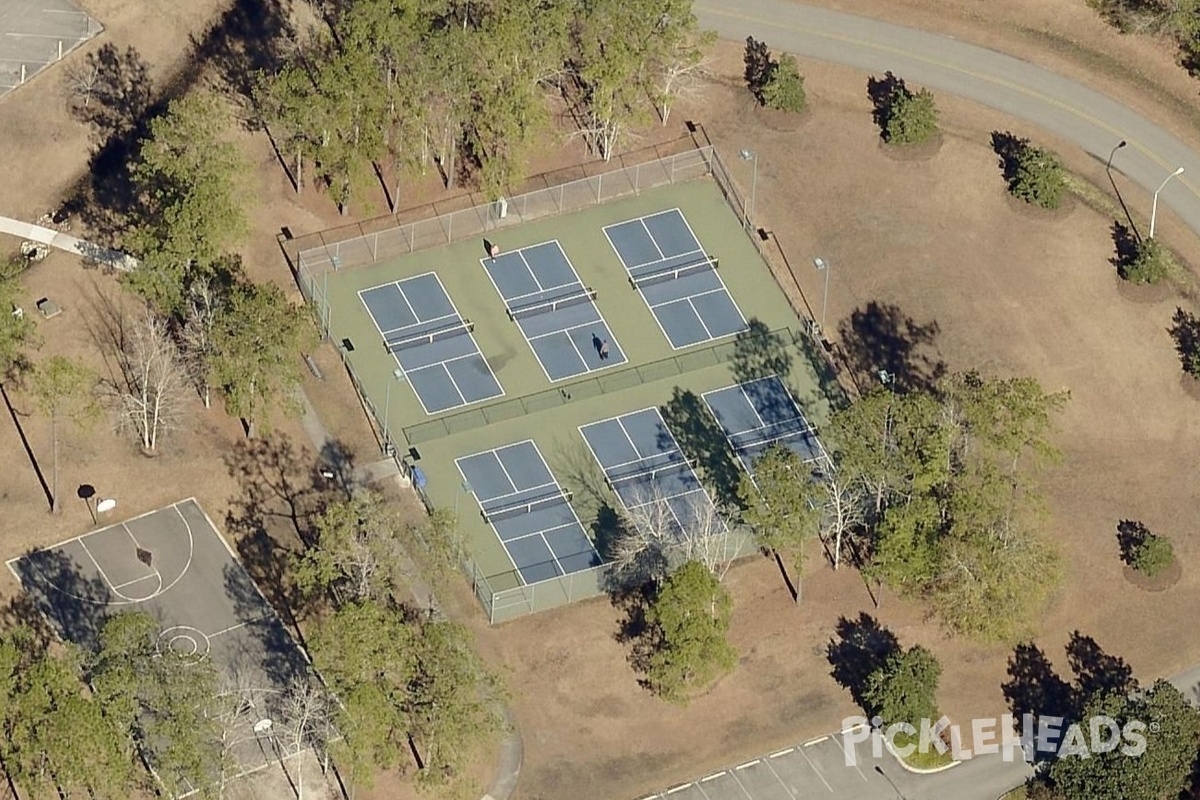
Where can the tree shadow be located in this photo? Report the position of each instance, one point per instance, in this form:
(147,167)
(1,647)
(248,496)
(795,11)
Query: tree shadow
(703,443)
(861,647)
(1097,672)
(633,629)
(263,642)
(37,467)
(882,337)
(1009,147)
(607,529)
(273,519)
(1125,243)
(75,606)
(1185,331)
(757,60)
(883,93)
(110,92)
(828,384)
(1035,689)
(1131,535)
(759,352)
(252,36)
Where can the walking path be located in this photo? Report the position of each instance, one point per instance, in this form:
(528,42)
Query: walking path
(63,241)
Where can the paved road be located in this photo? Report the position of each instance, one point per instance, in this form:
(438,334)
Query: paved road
(1069,109)
(1092,120)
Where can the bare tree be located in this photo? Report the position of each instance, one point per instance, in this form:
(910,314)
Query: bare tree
(81,79)
(844,511)
(681,74)
(153,392)
(237,707)
(305,720)
(200,313)
(659,534)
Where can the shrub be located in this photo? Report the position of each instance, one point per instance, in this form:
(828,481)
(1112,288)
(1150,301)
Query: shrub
(1150,263)
(912,118)
(1185,330)
(784,87)
(1039,177)
(1152,555)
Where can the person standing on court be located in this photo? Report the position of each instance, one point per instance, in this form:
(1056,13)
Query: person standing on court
(604,350)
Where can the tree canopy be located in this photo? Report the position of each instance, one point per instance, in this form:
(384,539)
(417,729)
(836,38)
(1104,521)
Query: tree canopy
(414,85)
(192,212)
(1164,770)
(688,623)
(904,687)
(256,342)
(951,504)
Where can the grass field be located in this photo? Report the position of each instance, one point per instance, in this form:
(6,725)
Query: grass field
(548,413)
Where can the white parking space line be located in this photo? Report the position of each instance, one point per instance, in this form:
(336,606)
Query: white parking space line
(816,741)
(817,771)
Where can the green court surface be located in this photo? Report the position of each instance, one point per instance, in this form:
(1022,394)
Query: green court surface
(534,408)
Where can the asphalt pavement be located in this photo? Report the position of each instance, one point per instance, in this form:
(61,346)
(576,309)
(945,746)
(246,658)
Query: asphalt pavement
(1069,109)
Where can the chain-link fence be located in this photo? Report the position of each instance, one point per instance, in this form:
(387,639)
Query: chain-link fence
(314,257)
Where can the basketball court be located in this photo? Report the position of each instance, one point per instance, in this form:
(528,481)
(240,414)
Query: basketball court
(174,565)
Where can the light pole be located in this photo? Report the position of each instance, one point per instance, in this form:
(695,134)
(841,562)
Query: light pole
(895,789)
(823,266)
(465,486)
(397,375)
(1120,144)
(1154,208)
(750,155)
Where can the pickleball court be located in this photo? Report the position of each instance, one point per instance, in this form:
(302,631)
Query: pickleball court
(529,510)
(432,343)
(679,281)
(555,311)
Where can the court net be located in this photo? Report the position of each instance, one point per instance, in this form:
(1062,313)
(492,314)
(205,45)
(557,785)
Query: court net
(457,329)
(796,427)
(521,312)
(561,496)
(648,472)
(651,274)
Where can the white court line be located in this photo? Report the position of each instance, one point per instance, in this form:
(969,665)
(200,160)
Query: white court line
(653,241)
(98,568)
(685,298)
(726,390)
(132,582)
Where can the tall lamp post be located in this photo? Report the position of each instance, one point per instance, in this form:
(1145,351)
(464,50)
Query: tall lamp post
(751,156)
(895,789)
(397,377)
(823,266)
(1154,207)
